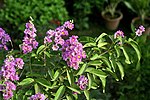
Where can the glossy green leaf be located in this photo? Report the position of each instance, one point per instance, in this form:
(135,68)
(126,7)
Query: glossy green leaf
(103,80)
(94,57)
(40,49)
(95,63)
(70,77)
(106,61)
(112,73)
(136,47)
(26,81)
(60,92)
(120,69)
(36,88)
(117,51)
(47,54)
(82,69)
(101,44)
(56,75)
(101,36)
(126,56)
(43,82)
(89,45)
(89,80)
(96,72)
(74,90)
(69,97)
(112,62)
(87,95)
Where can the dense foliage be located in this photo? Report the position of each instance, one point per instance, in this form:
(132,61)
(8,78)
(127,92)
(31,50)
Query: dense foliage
(63,68)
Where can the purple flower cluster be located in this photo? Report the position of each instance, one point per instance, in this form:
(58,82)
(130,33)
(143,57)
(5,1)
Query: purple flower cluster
(140,30)
(38,96)
(72,52)
(57,35)
(118,34)
(4,38)
(29,41)
(8,72)
(82,82)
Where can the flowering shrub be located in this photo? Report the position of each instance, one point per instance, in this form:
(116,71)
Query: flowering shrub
(63,68)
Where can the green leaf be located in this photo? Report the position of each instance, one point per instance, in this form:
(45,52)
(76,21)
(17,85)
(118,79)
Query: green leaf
(86,93)
(89,81)
(101,36)
(40,49)
(94,57)
(103,79)
(60,92)
(101,44)
(70,77)
(96,72)
(26,81)
(47,54)
(95,63)
(82,69)
(112,61)
(43,82)
(117,51)
(120,69)
(56,75)
(126,56)
(89,45)
(36,88)
(112,73)
(134,44)
(106,61)
(74,90)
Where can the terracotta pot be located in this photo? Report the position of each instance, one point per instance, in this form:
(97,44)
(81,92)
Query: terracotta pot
(112,23)
(136,22)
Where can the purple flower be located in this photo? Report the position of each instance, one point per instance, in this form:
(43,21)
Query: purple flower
(82,82)
(55,47)
(19,63)
(7,94)
(29,41)
(69,24)
(10,85)
(2,87)
(4,38)
(38,96)
(140,30)
(72,52)
(118,34)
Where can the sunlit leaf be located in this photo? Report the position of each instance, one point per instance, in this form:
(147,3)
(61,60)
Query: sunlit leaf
(40,49)
(26,81)
(43,82)
(126,56)
(120,69)
(101,44)
(74,90)
(95,63)
(60,92)
(96,72)
(89,45)
(89,80)
(56,75)
(101,36)
(82,69)
(70,77)
(87,95)
(94,57)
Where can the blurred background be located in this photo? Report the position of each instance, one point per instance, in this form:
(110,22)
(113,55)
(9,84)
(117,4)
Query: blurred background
(89,17)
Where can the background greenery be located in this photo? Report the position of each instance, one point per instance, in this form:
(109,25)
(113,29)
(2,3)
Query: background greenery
(86,13)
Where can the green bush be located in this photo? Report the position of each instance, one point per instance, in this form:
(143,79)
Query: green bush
(15,13)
